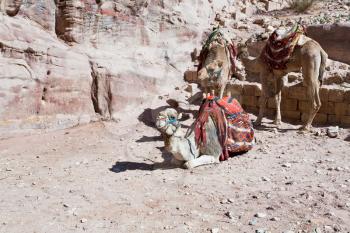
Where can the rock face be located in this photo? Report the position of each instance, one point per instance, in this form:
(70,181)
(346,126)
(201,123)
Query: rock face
(64,61)
(40,78)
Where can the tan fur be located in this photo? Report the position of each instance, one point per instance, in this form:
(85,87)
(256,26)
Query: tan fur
(183,147)
(218,59)
(310,58)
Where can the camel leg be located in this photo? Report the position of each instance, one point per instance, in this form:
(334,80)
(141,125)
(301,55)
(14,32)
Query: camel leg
(176,162)
(264,96)
(278,97)
(222,89)
(202,160)
(310,75)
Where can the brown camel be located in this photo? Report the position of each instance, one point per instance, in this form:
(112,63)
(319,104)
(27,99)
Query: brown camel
(215,71)
(308,56)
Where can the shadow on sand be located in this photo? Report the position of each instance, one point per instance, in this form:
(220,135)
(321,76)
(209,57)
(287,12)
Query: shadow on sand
(124,166)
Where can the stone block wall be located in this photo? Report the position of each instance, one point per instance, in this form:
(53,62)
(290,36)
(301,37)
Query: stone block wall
(335,100)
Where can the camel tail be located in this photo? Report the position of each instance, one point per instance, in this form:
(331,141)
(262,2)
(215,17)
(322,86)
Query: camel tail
(324,58)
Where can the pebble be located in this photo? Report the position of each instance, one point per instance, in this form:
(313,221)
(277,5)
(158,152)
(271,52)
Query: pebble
(275,219)
(333,132)
(339,169)
(260,215)
(83,220)
(265,179)
(253,222)
(214,230)
(288,165)
(328,228)
(336,228)
(290,183)
(230,215)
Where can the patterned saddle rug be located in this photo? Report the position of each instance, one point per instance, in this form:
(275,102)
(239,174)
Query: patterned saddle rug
(215,35)
(280,46)
(235,131)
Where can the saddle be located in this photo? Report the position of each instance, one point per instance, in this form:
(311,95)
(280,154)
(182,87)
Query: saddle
(281,45)
(235,131)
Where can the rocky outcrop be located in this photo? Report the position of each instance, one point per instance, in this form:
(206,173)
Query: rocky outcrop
(41,79)
(50,47)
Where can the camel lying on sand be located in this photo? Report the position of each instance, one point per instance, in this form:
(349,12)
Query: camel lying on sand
(307,56)
(211,137)
(216,61)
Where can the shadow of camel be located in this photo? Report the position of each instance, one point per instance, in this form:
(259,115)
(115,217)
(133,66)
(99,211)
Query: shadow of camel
(272,128)
(124,166)
(150,139)
(148,116)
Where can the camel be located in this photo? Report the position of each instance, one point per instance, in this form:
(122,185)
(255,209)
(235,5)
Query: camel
(188,152)
(215,70)
(183,147)
(308,56)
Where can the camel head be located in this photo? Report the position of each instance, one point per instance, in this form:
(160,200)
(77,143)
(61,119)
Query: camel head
(211,71)
(168,121)
(242,50)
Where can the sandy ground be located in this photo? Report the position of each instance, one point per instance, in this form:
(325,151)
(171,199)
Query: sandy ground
(108,177)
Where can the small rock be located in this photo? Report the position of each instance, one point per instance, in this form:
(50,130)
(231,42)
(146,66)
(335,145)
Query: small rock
(333,132)
(9,169)
(290,182)
(288,231)
(260,215)
(253,222)
(231,200)
(65,205)
(288,165)
(336,228)
(265,179)
(229,215)
(260,231)
(275,219)
(214,230)
(260,21)
(339,169)
(83,220)
(328,228)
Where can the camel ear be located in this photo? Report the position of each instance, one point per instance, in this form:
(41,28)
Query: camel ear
(179,116)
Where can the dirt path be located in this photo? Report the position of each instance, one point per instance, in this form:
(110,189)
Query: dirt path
(106,177)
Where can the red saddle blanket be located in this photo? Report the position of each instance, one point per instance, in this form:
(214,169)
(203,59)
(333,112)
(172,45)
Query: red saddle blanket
(278,51)
(234,127)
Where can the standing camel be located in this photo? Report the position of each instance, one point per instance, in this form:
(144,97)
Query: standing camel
(306,55)
(216,62)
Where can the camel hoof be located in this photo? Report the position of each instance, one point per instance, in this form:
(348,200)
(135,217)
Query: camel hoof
(305,128)
(188,165)
(277,122)
(257,123)
(176,162)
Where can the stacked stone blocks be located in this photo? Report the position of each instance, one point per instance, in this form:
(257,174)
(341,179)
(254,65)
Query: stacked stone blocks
(294,105)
